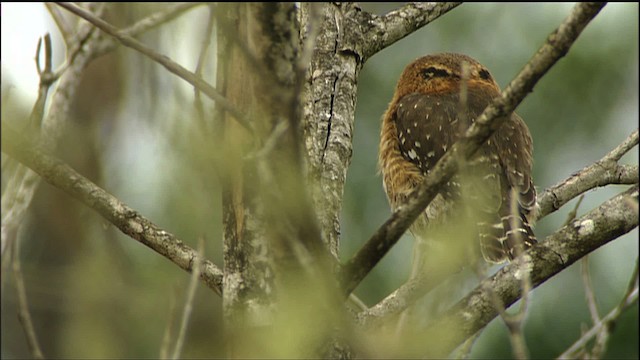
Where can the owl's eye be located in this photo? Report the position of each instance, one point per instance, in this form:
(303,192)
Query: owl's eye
(432,72)
(484,74)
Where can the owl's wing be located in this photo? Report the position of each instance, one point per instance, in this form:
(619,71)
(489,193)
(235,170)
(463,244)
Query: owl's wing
(429,125)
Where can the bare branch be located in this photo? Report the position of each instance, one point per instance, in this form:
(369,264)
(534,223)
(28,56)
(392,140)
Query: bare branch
(603,172)
(204,51)
(156,19)
(168,330)
(188,306)
(607,322)
(22,182)
(66,30)
(163,60)
(399,23)
(60,175)
(150,22)
(588,289)
(46,80)
(23,307)
(556,46)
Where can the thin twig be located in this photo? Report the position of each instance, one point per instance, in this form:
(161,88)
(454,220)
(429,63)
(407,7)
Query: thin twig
(204,50)
(46,80)
(603,172)
(20,186)
(168,330)
(630,297)
(159,18)
(163,60)
(23,308)
(66,30)
(188,305)
(588,289)
(150,22)
(556,46)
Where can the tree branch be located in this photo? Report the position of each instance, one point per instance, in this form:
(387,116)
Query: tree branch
(150,22)
(556,46)
(610,220)
(62,176)
(603,172)
(399,23)
(606,323)
(163,60)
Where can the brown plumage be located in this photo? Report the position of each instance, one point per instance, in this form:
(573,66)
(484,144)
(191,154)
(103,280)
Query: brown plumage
(424,119)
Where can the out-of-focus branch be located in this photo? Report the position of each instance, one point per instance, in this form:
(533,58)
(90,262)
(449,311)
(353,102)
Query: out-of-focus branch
(603,172)
(202,58)
(130,222)
(604,325)
(188,305)
(163,60)
(23,307)
(63,25)
(21,184)
(150,22)
(556,46)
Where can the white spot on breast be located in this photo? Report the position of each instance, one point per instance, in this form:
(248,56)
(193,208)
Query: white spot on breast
(412,154)
(444,147)
(415,124)
(418,144)
(409,132)
(440,128)
(428,136)
(427,116)
(431,154)
(415,106)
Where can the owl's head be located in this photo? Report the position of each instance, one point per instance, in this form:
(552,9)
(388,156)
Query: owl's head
(445,72)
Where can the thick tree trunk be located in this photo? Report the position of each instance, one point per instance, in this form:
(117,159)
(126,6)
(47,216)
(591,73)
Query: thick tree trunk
(272,243)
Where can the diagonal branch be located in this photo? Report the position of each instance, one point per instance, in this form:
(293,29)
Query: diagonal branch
(61,175)
(607,323)
(150,22)
(603,172)
(556,46)
(399,23)
(163,60)
(612,219)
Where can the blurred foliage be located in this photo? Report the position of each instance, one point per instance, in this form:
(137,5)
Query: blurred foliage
(95,293)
